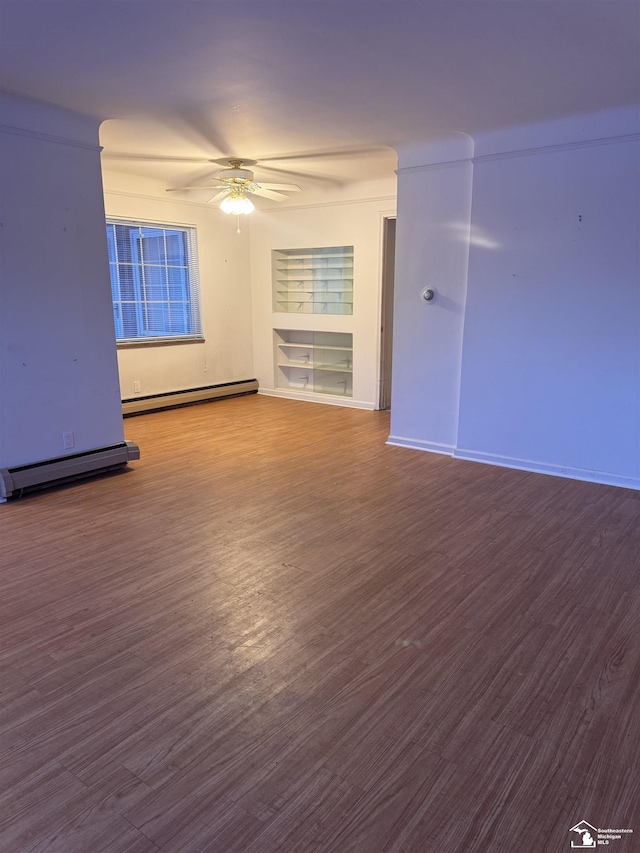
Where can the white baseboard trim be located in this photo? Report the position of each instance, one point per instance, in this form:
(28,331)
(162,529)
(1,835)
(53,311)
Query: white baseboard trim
(602,477)
(416,444)
(349,402)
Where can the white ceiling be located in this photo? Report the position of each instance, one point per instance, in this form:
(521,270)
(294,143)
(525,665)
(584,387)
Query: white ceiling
(284,81)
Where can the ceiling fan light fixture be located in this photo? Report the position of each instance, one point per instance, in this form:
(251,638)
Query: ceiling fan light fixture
(237,203)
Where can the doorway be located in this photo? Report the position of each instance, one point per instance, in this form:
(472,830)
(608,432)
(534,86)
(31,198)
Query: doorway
(386,314)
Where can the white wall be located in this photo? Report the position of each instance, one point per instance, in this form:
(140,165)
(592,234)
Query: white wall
(226,353)
(551,367)
(550,371)
(58,370)
(432,249)
(353,216)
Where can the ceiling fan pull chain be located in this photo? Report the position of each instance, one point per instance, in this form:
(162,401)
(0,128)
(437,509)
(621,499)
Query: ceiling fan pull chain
(238,218)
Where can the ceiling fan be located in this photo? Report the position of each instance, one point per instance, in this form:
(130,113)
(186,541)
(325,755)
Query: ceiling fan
(234,182)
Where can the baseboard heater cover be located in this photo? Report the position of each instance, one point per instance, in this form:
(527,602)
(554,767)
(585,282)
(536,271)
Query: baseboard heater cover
(64,468)
(173,399)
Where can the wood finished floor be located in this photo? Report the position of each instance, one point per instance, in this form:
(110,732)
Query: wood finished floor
(276,633)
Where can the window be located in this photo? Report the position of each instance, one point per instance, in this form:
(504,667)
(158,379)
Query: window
(154,281)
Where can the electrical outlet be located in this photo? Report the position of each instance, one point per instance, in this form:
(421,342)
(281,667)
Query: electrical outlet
(136,386)
(68,440)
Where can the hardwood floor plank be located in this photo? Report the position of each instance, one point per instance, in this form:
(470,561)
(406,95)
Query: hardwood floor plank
(215,826)
(311,804)
(100,826)
(35,801)
(386,815)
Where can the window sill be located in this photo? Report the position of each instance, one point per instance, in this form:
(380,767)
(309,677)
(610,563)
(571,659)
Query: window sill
(156,342)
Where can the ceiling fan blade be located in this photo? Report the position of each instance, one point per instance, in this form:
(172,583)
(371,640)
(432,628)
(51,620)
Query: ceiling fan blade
(306,176)
(292,188)
(340,153)
(269,194)
(152,158)
(222,193)
(201,187)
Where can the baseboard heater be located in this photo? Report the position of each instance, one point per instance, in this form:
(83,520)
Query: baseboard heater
(65,468)
(173,399)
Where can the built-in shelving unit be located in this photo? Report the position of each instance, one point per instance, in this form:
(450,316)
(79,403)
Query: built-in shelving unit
(313,281)
(314,362)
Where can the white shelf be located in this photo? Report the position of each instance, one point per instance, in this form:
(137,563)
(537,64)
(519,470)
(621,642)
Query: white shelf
(314,346)
(312,299)
(332,368)
(312,290)
(302,255)
(314,307)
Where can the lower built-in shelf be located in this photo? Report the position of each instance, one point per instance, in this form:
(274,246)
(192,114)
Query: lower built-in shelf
(314,362)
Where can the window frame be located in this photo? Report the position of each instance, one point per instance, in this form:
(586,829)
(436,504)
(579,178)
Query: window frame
(141,300)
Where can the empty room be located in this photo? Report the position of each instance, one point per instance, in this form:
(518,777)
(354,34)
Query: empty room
(319,426)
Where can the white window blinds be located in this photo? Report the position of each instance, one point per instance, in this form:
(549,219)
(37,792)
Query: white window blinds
(154,281)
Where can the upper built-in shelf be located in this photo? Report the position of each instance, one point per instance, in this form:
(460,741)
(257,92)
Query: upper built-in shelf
(313,281)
